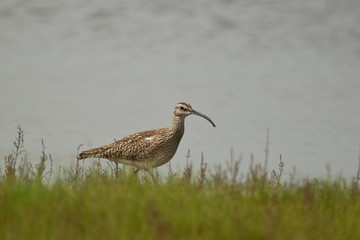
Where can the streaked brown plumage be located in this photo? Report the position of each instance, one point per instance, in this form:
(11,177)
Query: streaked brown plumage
(149,149)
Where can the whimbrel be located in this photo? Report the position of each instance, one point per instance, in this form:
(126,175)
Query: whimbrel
(149,149)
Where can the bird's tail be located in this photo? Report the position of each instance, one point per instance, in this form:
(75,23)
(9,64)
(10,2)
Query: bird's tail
(93,153)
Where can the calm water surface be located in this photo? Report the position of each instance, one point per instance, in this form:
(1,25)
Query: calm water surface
(88,72)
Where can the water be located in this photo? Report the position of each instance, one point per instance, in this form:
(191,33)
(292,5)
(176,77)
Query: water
(88,72)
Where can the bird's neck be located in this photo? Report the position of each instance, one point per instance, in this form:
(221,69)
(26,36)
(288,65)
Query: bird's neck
(178,125)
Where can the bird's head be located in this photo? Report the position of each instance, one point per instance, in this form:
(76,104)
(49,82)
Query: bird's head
(184,109)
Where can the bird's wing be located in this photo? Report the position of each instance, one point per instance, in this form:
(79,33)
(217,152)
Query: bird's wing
(134,147)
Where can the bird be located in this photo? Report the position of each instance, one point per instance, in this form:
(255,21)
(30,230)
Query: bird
(149,149)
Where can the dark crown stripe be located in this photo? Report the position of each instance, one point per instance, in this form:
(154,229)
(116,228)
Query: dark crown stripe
(186,104)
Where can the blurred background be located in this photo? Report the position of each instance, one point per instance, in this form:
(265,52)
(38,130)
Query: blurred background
(86,72)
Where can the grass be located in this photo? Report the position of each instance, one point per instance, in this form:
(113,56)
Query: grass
(113,203)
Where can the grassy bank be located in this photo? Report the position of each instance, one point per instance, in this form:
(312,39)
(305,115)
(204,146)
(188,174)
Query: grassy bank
(113,203)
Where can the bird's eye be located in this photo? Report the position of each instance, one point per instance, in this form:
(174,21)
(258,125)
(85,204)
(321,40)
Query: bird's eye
(182,108)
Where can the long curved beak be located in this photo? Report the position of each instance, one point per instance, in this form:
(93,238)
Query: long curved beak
(202,115)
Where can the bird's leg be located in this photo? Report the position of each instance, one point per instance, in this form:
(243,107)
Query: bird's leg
(151,172)
(116,171)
